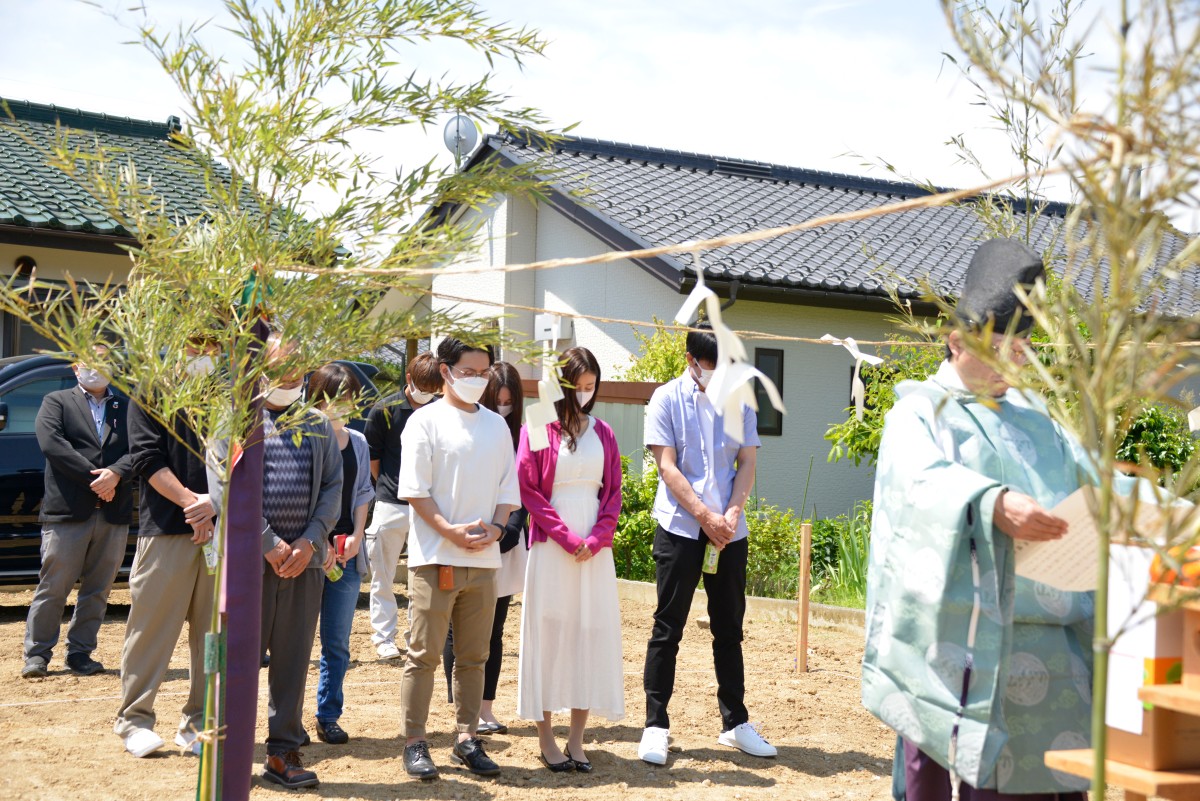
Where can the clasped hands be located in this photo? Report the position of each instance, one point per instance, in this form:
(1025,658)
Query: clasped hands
(473,536)
(721,529)
(290,559)
(199,514)
(105,484)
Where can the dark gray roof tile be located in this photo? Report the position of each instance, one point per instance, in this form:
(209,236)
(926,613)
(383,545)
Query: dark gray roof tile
(661,196)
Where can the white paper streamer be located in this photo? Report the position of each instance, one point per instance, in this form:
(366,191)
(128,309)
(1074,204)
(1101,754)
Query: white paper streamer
(858,390)
(732,385)
(541,414)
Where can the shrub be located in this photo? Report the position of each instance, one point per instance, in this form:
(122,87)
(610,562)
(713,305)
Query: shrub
(659,357)
(633,542)
(839,545)
(859,439)
(1159,435)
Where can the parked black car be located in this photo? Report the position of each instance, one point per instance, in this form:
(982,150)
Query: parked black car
(24,381)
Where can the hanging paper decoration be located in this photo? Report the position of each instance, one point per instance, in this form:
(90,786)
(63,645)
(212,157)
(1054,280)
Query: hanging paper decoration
(732,384)
(858,390)
(541,414)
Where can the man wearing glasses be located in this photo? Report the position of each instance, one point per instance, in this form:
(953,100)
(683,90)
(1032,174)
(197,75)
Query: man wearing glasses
(458,474)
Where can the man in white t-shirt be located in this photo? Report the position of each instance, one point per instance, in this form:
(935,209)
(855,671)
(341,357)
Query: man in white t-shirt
(458,474)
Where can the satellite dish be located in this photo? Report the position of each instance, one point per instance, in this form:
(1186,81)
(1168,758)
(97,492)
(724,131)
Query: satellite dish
(460,136)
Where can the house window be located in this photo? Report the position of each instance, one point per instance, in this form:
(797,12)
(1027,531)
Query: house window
(770,362)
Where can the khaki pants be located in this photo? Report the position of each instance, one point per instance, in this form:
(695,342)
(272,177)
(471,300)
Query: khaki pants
(470,606)
(169,585)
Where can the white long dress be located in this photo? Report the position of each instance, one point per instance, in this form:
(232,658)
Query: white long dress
(570,654)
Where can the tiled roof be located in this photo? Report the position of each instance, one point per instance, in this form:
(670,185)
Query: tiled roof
(35,195)
(632,196)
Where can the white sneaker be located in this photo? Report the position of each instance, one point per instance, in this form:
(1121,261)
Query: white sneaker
(654,744)
(746,738)
(187,741)
(142,742)
(388,650)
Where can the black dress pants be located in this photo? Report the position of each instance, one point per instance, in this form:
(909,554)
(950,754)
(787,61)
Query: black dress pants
(677,569)
(491,671)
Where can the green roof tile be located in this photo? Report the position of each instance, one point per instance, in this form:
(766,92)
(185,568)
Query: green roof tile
(36,195)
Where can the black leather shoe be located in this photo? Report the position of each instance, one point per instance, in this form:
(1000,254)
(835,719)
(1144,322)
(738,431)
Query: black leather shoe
(469,753)
(486,727)
(580,765)
(307,740)
(35,668)
(418,763)
(83,664)
(566,766)
(288,770)
(332,733)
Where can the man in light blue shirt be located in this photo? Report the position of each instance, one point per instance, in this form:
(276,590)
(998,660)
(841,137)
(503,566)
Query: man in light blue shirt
(704,480)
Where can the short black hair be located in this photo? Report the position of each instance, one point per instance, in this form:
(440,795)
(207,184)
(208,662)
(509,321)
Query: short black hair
(702,344)
(451,350)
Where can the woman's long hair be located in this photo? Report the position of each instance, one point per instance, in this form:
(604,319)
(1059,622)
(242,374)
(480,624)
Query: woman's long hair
(578,361)
(504,375)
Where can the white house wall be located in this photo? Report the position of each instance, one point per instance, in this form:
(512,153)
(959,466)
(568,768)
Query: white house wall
(618,290)
(816,382)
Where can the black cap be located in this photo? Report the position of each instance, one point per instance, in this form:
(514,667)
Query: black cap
(998,266)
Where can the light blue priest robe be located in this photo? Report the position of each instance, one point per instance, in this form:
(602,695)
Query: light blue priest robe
(944,607)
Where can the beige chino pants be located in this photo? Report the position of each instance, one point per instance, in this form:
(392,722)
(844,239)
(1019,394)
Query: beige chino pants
(470,606)
(169,585)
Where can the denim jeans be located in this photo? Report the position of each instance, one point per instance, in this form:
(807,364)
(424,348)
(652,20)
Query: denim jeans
(337,617)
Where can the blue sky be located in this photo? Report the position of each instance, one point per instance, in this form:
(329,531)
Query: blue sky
(829,84)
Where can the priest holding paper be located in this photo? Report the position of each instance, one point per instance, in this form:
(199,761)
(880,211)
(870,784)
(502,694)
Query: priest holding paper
(978,671)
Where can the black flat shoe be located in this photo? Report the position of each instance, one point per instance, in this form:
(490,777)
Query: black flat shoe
(566,766)
(485,728)
(332,733)
(418,763)
(580,766)
(469,753)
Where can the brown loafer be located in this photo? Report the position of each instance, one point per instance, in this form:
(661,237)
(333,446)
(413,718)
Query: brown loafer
(288,770)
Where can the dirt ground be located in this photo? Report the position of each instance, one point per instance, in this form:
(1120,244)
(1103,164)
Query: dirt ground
(56,733)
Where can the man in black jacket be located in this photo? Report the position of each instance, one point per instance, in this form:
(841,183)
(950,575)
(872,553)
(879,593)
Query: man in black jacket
(170,582)
(85,516)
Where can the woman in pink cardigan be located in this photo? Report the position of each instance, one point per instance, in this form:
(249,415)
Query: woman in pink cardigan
(570,658)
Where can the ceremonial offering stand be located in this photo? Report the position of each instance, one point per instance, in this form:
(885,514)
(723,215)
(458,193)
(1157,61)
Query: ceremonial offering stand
(1138,783)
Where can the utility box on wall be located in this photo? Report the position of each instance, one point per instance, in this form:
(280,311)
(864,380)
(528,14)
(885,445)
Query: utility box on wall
(553,327)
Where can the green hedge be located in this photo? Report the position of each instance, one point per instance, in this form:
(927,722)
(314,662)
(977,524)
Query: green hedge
(839,545)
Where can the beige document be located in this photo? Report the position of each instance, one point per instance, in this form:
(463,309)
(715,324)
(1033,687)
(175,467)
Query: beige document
(1069,563)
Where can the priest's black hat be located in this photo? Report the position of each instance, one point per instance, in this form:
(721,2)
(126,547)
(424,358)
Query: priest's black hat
(998,266)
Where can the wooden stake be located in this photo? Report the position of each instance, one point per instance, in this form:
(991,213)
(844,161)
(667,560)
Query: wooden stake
(802,597)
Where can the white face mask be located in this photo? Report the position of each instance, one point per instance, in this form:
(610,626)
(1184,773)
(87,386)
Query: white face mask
(705,376)
(200,365)
(469,390)
(419,397)
(91,379)
(281,397)
(505,410)
(584,397)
